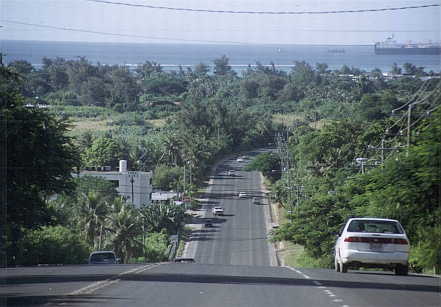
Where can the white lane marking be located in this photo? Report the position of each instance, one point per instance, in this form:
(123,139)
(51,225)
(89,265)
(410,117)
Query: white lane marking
(298,272)
(149,267)
(107,282)
(320,286)
(90,288)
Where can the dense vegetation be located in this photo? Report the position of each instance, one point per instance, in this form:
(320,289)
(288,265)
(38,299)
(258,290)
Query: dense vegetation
(330,117)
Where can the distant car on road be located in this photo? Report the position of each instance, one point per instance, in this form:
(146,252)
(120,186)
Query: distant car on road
(240,159)
(208,223)
(218,211)
(372,242)
(103,257)
(242,195)
(184,260)
(230,172)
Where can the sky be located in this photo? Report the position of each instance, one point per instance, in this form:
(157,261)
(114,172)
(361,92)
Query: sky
(69,20)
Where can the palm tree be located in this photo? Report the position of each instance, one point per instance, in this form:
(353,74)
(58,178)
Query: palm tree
(163,216)
(123,227)
(92,212)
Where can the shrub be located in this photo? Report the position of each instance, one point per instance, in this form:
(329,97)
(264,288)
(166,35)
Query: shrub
(52,245)
(156,247)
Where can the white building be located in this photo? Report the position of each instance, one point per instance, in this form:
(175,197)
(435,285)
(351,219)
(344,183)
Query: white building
(135,187)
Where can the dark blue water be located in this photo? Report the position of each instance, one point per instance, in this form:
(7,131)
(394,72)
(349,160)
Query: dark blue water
(172,55)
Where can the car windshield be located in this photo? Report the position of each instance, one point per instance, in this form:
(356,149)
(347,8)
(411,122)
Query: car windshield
(375,226)
(102,257)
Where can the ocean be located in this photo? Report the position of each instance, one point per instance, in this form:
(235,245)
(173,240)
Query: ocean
(170,56)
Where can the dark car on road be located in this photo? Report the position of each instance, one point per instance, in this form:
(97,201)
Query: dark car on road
(103,257)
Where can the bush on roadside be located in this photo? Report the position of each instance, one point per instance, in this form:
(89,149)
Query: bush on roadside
(156,247)
(52,245)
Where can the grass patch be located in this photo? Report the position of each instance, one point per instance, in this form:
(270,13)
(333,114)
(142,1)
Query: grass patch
(286,119)
(291,254)
(185,236)
(156,123)
(80,126)
(294,255)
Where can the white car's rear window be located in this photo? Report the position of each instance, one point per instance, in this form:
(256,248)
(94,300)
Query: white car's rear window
(374,226)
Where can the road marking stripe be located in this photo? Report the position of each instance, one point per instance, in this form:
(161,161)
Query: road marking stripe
(298,272)
(91,286)
(107,282)
(317,283)
(147,268)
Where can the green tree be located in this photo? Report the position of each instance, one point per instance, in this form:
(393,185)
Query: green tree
(268,164)
(156,247)
(124,228)
(104,151)
(165,217)
(221,66)
(91,215)
(166,177)
(21,67)
(31,178)
(201,69)
(51,245)
(396,70)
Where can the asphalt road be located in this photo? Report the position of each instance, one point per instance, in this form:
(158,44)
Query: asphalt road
(232,269)
(239,237)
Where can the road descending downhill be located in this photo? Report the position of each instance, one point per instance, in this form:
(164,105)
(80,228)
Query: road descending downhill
(234,266)
(239,236)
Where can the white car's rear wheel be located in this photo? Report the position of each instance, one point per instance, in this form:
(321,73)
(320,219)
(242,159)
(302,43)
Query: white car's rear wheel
(336,265)
(343,268)
(401,269)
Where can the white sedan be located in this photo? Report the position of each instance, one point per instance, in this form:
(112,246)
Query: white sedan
(372,242)
(218,211)
(242,195)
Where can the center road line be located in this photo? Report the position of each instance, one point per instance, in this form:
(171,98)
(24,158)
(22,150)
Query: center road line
(110,281)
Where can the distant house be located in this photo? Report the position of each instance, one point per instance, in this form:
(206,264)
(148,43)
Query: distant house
(135,187)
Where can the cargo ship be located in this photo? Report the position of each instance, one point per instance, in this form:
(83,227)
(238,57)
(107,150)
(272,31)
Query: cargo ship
(390,46)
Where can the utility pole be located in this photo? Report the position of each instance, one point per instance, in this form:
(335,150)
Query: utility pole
(285,165)
(409,113)
(133,194)
(183,188)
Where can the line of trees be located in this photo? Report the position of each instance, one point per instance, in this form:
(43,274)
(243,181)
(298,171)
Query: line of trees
(206,116)
(325,186)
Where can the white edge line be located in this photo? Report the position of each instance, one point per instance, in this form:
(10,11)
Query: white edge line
(298,272)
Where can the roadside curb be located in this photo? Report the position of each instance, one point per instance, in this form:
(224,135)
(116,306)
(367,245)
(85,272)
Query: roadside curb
(270,219)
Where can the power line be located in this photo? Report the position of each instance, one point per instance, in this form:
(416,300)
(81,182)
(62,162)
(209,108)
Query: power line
(118,34)
(264,12)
